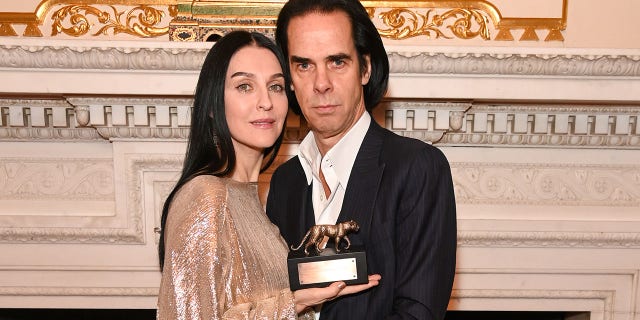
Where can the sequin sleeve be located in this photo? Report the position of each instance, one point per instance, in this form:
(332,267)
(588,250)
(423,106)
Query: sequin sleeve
(203,274)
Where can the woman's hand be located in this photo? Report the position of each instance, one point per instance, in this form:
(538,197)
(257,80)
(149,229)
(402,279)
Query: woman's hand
(306,298)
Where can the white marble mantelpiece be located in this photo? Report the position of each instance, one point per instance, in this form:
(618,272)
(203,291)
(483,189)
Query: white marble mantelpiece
(168,68)
(544,147)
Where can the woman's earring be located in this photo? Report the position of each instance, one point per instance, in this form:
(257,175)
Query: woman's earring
(291,87)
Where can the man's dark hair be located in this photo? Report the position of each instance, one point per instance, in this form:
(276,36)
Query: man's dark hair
(365,37)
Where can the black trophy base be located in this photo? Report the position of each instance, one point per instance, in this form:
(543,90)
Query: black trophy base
(320,270)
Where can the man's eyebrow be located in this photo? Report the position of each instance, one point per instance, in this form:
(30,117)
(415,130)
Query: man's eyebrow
(339,56)
(297,59)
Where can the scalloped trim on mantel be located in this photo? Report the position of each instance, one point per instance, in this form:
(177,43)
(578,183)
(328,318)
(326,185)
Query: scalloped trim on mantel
(413,60)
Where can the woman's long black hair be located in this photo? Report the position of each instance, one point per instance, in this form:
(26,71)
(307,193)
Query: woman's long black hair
(210,150)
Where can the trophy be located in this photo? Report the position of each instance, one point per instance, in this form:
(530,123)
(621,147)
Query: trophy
(321,266)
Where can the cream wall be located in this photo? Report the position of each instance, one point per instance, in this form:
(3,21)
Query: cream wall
(543,140)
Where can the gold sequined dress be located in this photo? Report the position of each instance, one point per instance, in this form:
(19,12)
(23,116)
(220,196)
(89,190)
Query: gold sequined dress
(224,259)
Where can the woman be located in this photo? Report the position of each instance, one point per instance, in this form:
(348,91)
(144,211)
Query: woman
(220,255)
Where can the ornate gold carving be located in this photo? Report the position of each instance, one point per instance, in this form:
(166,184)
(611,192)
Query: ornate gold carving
(183,34)
(140,21)
(197,20)
(465,20)
(470,14)
(143,18)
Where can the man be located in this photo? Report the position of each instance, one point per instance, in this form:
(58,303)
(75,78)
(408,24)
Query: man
(348,167)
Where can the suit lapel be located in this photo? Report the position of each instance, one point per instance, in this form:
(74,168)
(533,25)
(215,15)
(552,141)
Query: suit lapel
(307,217)
(364,181)
(299,216)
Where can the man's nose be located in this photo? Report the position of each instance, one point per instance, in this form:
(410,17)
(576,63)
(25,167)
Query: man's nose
(322,82)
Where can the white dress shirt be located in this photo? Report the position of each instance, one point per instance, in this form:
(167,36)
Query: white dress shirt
(336,168)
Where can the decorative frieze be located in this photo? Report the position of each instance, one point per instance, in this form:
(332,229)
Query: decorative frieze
(516,124)
(444,123)
(583,64)
(118,56)
(77,182)
(112,57)
(141,21)
(547,184)
(40,119)
(548,239)
(60,179)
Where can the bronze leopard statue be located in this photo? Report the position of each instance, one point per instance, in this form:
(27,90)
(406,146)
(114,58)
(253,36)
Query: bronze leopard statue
(337,232)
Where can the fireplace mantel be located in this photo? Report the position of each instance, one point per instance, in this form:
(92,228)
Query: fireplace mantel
(544,146)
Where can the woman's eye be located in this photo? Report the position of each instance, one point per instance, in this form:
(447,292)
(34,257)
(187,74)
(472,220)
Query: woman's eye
(276,88)
(244,87)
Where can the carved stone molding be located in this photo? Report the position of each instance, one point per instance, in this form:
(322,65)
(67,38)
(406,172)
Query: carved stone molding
(605,297)
(577,63)
(69,235)
(568,184)
(65,182)
(92,118)
(69,56)
(56,179)
(132,233)
(40,119)
(142,118)
(516,124)
(527,64)
(445,123)
(162,189)
(137,165)
(542,239)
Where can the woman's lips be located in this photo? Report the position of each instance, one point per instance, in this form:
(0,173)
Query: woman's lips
(263,123)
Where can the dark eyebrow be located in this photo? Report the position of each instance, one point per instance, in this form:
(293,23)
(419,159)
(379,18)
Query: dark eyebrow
(297,59)
(339,56)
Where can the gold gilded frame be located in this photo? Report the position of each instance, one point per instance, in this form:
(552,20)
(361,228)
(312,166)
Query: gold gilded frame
(462,14)
(198,20)
(144,24)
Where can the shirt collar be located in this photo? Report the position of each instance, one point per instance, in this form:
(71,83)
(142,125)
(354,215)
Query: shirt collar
(342,155)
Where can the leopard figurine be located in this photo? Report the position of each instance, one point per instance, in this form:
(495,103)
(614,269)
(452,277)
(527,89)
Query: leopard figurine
(337,232)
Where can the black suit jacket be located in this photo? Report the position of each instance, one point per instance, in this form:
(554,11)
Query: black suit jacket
(401,193)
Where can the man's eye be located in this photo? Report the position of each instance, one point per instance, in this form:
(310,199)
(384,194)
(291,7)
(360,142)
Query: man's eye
(338,63)
(244,87)
(303,66)
(276,88)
